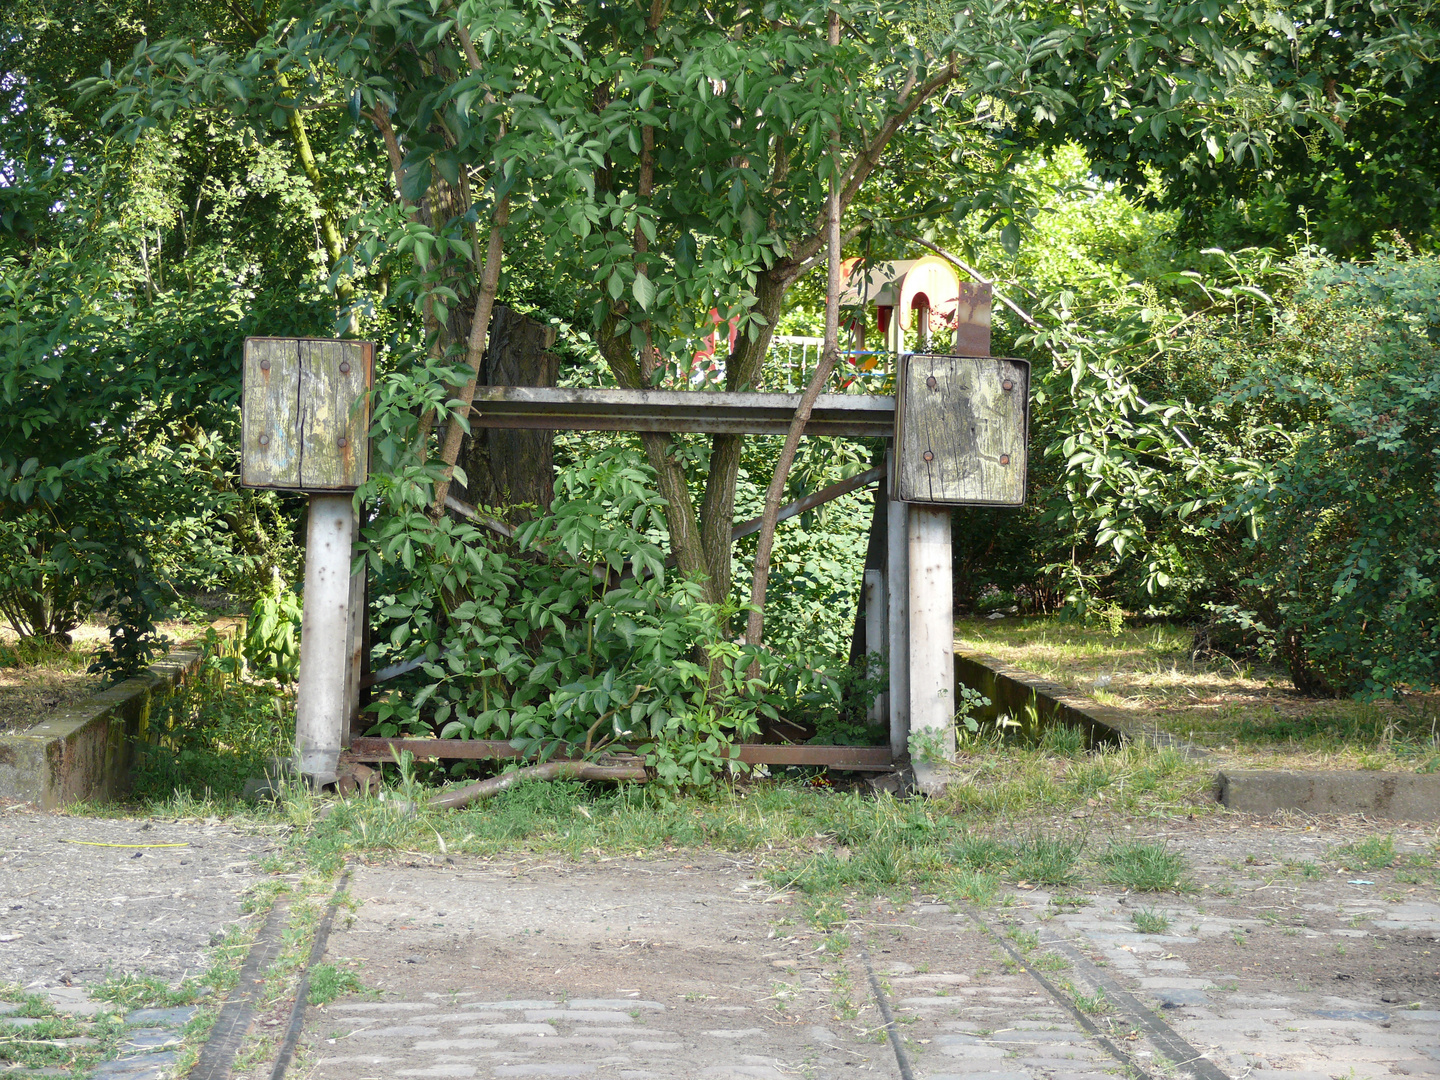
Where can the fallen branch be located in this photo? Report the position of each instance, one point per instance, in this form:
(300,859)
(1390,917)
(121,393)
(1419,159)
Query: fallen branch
(551,770)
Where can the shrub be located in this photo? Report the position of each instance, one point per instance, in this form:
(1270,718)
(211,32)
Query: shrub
(1348,523)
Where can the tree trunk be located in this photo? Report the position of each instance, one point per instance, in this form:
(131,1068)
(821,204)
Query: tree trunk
(742,372)
(514,469)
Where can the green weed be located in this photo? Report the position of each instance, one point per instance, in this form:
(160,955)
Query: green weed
(1150,921)
(1143,867)
(1025,940)
(328,982)
(1063,740)
(1048,860)
(973,886)
(981,853)
(1372,853)
(1089,1003)
(131,991)
(1050,961)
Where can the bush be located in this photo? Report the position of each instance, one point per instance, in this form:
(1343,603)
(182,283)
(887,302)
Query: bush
(1348,523)
(571,635)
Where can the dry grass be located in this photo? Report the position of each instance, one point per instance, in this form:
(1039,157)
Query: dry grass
(1243,712)
(37,681)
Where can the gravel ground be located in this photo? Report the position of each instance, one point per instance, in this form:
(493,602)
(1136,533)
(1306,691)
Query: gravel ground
(76,911)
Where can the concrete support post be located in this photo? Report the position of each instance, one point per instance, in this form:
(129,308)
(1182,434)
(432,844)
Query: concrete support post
(932,630)
(877,639)
(326,661)
(897,574)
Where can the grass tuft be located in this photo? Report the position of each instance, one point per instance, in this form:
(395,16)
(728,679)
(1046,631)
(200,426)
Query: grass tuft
(328,982)
(1372,853)
(131,991)
(1150,921)
(1143,867)
(981,853)
(1048,860)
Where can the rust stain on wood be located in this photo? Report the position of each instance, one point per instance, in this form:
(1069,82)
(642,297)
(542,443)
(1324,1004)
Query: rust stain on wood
(962,426)
(305,417)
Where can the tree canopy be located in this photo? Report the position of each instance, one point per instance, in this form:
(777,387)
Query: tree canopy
(186,172)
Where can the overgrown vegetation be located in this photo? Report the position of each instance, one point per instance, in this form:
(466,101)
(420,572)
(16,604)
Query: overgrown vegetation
(222,730)
(1228,296)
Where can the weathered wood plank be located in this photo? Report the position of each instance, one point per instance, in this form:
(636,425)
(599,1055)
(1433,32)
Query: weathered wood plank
(334,418)
(304,418)
(584,409)
(269,414)
(962,429)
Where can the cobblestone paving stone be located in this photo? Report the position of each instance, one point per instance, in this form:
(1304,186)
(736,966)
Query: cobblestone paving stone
(647,969)
(1272,1027)
(964,1012)
(548,975)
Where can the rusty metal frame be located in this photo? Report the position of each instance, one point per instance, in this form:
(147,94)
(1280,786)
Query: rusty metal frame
(853,758)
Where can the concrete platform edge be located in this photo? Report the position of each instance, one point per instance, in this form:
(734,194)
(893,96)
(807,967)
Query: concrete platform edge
(1402,796)
(85,751)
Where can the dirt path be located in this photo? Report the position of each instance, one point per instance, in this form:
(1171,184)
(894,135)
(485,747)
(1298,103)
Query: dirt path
(81,898)
(665,968)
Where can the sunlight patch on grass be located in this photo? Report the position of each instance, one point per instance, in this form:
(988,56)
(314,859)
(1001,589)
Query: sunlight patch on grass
(1249,713)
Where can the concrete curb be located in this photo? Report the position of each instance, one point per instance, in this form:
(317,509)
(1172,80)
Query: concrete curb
(1012,690)
(85,751)
(1402,796)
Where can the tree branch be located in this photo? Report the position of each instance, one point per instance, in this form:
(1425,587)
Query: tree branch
(864,163)
(830,354)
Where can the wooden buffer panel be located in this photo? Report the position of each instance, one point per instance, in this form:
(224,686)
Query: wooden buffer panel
(305,417)
(961,430)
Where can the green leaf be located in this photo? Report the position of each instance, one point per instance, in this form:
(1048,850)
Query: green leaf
(643,291)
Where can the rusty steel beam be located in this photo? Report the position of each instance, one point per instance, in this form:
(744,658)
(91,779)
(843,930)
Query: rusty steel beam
(706,411)
(855,758)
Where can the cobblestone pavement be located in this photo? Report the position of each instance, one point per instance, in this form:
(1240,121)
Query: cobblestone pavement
(1270,1028)
(636,969)
(146,1052)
